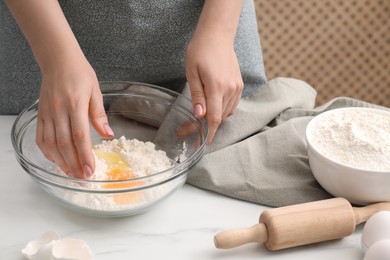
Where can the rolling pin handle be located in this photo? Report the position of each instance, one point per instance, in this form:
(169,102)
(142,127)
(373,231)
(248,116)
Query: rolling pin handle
(237,237)
(362,214)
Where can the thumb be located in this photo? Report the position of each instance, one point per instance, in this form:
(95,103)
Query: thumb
(198,96)
(98,115)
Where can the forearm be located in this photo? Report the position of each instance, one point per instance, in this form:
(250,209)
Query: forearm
(47,31)
(220,18)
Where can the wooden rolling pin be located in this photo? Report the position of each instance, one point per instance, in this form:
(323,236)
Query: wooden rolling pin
(301,224)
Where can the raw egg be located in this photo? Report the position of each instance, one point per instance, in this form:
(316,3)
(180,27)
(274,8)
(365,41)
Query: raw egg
(112,159)
(118,169)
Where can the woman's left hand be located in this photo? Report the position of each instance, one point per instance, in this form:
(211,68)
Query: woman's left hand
(212,68)
(214,77)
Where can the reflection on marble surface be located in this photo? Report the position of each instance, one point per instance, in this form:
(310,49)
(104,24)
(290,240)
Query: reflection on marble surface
(182,227)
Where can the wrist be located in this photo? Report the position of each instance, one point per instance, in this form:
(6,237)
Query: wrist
(219,18)
(59,58)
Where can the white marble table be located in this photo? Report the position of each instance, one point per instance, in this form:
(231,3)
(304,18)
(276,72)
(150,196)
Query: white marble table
(182,227)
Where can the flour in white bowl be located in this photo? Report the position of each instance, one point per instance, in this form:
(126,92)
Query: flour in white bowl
(357,138)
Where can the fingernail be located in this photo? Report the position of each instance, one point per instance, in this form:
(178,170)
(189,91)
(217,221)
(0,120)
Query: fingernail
(87,171)
(108,130)
(83,184)
(198,110)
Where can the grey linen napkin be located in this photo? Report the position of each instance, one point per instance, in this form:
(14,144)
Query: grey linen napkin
(260,154)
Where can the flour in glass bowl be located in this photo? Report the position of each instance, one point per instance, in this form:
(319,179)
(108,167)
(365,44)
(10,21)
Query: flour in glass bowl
(357,138)
(122,159)
(141,157)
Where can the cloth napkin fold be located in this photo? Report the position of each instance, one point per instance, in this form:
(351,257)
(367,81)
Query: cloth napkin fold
(260,153)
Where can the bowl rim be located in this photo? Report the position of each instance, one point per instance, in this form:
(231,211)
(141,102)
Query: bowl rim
(310,144)
(193,158)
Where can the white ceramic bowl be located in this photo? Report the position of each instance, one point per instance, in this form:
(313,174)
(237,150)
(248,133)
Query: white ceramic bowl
(135,110)
(354,181)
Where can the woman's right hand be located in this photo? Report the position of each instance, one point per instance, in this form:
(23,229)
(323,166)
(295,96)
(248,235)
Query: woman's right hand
(69,94)
(69,89)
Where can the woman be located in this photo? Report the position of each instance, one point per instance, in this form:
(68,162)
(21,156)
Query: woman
(212,44)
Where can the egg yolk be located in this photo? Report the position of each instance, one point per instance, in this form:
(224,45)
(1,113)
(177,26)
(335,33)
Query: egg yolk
(118,170)
(112,159)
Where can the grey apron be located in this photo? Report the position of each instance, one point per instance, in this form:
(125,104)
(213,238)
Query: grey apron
(125,40)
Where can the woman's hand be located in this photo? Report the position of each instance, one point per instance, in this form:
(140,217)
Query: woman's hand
(214,78)
(212,69)
(68,95)
(69,89)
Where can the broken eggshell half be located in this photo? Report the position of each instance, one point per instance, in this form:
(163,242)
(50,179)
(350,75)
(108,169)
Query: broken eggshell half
(49,246)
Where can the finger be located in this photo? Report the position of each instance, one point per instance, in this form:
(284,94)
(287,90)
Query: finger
(235,104)
(187,128)
(214,121)
(238,95)
(214,115)
(82,142)
(66,145)
(230,110)
(40,141)
(230,106)
(50,148)
(197,95)
(98,115)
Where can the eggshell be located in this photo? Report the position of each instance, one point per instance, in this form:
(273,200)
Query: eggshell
(44,252)
(71,249)
(49,246)
(376,228)
(34,246)
(379,251)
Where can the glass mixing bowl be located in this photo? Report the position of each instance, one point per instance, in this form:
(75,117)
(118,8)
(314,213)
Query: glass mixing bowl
(136,111)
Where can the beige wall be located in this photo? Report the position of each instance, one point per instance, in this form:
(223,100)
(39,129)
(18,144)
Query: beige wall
(340,47)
